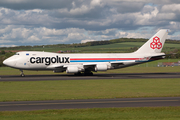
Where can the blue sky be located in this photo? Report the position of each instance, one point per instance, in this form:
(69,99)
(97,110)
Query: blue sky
(41,22)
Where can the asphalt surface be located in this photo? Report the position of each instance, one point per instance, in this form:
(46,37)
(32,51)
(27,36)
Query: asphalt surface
(95,76)
(96,103)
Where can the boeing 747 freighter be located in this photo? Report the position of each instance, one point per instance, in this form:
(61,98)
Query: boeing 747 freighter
(88,63)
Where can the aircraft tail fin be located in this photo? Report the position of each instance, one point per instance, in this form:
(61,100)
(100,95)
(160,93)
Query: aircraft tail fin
(155,43)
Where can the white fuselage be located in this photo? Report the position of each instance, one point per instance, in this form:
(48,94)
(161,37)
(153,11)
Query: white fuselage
(31,60)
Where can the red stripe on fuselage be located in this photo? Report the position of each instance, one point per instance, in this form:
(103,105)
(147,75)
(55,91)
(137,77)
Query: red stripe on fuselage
(105,58)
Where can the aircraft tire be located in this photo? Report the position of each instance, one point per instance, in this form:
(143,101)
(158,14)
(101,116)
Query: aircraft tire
(88,73)
(78,74)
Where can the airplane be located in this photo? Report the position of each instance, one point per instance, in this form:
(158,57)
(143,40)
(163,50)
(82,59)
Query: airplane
(87,63)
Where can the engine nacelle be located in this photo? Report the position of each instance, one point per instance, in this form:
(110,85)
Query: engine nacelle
(101,67)
(72,69)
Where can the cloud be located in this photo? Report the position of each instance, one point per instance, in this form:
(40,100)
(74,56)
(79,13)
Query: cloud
(171,8)
(41,35)
(29,22)
(85,41)
(35,4)
(8,45)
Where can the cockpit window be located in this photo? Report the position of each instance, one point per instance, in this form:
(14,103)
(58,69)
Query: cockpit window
(17,54)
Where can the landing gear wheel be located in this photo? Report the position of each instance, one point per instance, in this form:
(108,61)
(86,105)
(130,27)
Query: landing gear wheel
(91,73)
(78,74)
(88,73)
(22,74)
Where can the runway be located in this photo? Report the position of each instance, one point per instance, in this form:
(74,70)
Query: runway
(95,76)
(95,103)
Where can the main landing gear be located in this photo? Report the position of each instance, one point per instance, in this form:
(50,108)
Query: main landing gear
(22,74)
(86,73)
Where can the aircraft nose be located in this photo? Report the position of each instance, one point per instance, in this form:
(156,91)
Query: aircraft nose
(5,62)
(9,62)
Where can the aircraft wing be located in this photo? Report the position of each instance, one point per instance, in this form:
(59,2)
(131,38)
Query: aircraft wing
(114,64)
(55,66)
(103,65)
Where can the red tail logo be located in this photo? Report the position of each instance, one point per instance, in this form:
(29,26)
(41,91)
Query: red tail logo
(156,43)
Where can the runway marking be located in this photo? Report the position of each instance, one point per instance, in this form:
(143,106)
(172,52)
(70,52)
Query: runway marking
(101,102)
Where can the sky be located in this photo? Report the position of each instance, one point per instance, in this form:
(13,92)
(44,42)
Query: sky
(43,22)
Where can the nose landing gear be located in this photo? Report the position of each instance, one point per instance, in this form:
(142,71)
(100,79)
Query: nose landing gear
(22,74)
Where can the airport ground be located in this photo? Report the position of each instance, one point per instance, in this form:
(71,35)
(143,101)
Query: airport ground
(128,83)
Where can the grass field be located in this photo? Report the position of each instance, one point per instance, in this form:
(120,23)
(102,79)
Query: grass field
(88,89)
(92,89)
(152,113)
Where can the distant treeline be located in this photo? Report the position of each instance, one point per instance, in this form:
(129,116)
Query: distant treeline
(92,43)
(173,54)
(4,55)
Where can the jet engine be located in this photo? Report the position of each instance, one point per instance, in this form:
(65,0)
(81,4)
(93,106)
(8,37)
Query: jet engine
(72,69)
(101,67)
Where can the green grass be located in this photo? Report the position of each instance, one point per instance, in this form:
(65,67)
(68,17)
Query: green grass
(151,113)
(88,89)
